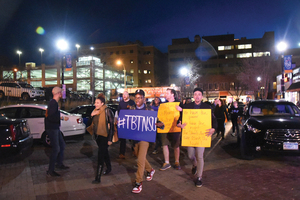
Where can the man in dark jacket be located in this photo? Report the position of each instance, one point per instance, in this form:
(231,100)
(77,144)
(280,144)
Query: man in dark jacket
(195,154)
(52,125)
(235,112)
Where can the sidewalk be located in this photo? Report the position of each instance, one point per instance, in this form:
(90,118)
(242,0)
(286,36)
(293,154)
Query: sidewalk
(26,179)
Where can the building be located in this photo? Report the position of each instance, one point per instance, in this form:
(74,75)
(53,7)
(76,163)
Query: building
(145,63)
(87,75)
(215,59)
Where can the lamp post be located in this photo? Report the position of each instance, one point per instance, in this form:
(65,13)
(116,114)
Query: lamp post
(92,63)
(20,52)
(281,47)
(121,63)
(41,50)
(259,79)
(62,45)
(77,46)
(184,72)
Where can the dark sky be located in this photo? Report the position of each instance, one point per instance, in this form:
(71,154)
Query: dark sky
(154,22)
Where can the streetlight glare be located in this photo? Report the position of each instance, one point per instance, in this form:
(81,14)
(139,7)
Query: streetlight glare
(183,71)
(77,46)
(62,45)
(19,52)
(119,62)
(92,48)
(41,50)
(282,46)
(258,79)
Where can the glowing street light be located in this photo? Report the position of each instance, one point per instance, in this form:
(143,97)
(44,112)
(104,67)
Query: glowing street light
(281,47)
(19,52)
(41,50)
(119,62)
(184,71)
(258,79)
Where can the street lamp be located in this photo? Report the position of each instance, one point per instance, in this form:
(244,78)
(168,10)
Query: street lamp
(41,50)
(259,79)
(119,62)
(77,46)
(92,63)
(20,52)
(281,47)
(62,45)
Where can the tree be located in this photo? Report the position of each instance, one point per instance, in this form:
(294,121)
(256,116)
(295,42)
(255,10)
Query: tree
(251,68)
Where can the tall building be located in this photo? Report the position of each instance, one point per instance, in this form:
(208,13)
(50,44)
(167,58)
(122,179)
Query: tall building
(215,56)
(147,64)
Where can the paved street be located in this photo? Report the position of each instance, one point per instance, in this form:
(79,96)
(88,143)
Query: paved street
(226,175)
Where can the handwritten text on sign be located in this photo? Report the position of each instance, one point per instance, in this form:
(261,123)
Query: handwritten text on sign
(197,121)
(168,114)
(137,125)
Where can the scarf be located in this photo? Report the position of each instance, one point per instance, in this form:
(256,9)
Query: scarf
(101,125)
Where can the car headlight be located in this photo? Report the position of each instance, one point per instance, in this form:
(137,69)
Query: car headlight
(254,130)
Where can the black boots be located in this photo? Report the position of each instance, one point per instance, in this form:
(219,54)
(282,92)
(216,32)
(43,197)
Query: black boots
(98,174)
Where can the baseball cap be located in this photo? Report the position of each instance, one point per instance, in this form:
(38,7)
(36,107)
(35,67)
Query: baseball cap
(56,90)
(140,92)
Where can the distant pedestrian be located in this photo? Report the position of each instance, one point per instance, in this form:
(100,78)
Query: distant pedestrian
(52,128)
(220,112)
(124,105)
(102,128)
(235,112)
(158,143)
(195,154)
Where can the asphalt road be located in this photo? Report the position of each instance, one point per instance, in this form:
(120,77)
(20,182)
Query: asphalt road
(226,175)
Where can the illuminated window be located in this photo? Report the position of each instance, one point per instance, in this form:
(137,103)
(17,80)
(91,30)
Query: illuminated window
(244,55)
(228,47)
(148,62)
(139,71)
(244,46)
(260,54)
(149,71)
(149,81)
(51,73)
(131,61)
(145,71)
(132,71)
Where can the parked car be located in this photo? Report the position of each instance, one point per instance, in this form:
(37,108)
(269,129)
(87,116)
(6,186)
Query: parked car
(86,110)
(270,125)
(35,115)
(20,90)
(14,135)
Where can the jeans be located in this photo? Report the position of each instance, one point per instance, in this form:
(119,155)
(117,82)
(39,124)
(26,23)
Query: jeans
(195,154)
(58,146)
(141,149)
(103,156)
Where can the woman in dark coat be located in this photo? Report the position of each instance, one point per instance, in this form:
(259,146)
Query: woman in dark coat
(220,112)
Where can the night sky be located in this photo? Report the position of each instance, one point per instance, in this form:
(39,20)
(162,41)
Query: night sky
(154,22)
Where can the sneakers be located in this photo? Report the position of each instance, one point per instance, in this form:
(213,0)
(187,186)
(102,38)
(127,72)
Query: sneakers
(52,174)
(64,167)
(177,166)
(150,174)
(165,166)
(198,182)
(232,134)
(155,152)
(137,188)
(121,156)
(194,170)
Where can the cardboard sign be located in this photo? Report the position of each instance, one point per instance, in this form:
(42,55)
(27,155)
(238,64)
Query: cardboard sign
(168,114)
(137,125)
(197,122)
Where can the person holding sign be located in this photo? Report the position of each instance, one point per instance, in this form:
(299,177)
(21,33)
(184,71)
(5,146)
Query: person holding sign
(124,105)
(102,128)
(195,153)
(173,135)
(141,147)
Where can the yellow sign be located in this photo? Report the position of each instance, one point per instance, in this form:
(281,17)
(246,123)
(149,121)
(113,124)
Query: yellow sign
(197,121)
(168,114)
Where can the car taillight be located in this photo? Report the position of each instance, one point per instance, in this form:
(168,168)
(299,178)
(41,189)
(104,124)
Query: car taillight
(12,132)
(79,120)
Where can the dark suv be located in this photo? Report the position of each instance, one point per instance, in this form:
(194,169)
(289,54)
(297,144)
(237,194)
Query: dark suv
(272,125)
